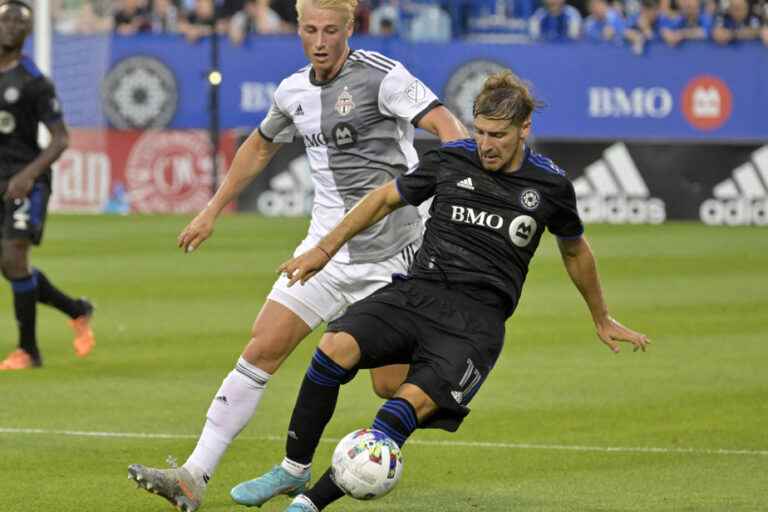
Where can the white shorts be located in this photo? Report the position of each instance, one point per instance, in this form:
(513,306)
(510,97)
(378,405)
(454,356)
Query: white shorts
(327,295)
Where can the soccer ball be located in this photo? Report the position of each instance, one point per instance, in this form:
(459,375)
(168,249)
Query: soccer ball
(366,464)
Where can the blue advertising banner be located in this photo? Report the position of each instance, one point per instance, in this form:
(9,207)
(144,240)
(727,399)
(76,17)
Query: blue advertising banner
(697,92)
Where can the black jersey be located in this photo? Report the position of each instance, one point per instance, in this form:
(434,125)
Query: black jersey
(26,99)
(485,226)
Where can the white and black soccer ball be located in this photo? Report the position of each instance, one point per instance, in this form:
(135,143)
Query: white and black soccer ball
(367,464)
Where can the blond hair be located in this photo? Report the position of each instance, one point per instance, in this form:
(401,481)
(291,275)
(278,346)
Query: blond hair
(505,96)
(346,7)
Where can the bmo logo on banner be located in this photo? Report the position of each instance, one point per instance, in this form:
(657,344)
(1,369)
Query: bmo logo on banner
(640,102)
(707,103)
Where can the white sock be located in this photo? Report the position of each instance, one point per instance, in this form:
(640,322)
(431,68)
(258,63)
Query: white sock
(232,408)
(306,501)
(294,468)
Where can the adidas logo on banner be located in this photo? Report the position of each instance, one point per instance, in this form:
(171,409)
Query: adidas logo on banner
(466,183)
(613,190)
(743,198)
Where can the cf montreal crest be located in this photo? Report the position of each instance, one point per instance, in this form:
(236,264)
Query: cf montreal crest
(530,199)
(139,92)
(465,84)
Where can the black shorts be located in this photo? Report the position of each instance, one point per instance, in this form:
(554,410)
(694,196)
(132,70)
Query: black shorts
(25,218)
(450,341)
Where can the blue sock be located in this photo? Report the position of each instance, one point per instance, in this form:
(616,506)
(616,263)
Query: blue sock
(397,419)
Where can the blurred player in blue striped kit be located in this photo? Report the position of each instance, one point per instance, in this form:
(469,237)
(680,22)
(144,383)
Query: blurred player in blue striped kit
(356,112)
(28,98)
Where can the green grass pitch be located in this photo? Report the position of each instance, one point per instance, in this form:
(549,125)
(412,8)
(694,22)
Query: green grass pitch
(561,425)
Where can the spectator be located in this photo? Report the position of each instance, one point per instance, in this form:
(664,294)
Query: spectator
(362,17)
(693,23)
(256,17)
(95,17)
(429,23)
(385,19)
(164,17)
(764,30)
(736,24)
(200,21)
(387,28)
(645,26)
(604,23)
(286,9)
(82,16)
(131,17)
(556,21)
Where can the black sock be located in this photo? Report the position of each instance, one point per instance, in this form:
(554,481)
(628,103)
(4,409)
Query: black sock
(25,306)
(52,296)
(325,491)
(314,406)
(397,419)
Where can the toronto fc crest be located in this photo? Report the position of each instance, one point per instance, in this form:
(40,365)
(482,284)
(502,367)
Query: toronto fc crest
(344,104)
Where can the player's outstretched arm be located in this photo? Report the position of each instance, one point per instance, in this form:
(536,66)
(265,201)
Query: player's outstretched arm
(21,184)
(580,264)
(250,160)
(441,122)
(376,205)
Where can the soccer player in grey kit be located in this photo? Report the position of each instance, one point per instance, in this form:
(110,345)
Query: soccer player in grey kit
(356,112)
(28,98)
(493,198)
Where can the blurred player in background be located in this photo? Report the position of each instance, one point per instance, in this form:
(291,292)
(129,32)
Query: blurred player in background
(356,112)
(493,199)
(28,98)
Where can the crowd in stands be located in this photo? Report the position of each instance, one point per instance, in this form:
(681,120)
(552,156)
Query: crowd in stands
(630,22)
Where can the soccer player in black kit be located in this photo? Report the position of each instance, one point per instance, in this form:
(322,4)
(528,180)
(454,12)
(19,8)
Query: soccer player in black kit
(26,99)
(493,198)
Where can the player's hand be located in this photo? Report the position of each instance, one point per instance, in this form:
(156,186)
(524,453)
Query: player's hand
(19,187)
(197,231)
(304,266)
(612,332)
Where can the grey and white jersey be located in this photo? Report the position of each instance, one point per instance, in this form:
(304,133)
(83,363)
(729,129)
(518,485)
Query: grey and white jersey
(358,133)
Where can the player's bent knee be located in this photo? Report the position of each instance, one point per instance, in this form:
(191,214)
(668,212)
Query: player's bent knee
(268,350)
(342,348)
(388,379)
(384,390)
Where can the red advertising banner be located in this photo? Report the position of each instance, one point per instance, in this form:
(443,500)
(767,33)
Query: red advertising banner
(137,171)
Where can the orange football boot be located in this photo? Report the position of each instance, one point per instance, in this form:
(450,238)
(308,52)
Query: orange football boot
(18,360)
(84,338)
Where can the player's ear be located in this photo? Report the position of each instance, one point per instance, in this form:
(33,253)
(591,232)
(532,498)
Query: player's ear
(525,129)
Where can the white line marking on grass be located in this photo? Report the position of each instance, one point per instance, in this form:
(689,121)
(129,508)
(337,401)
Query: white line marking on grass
(469,444)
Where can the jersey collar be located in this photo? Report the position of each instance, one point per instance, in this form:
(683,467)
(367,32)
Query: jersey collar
(314,81)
